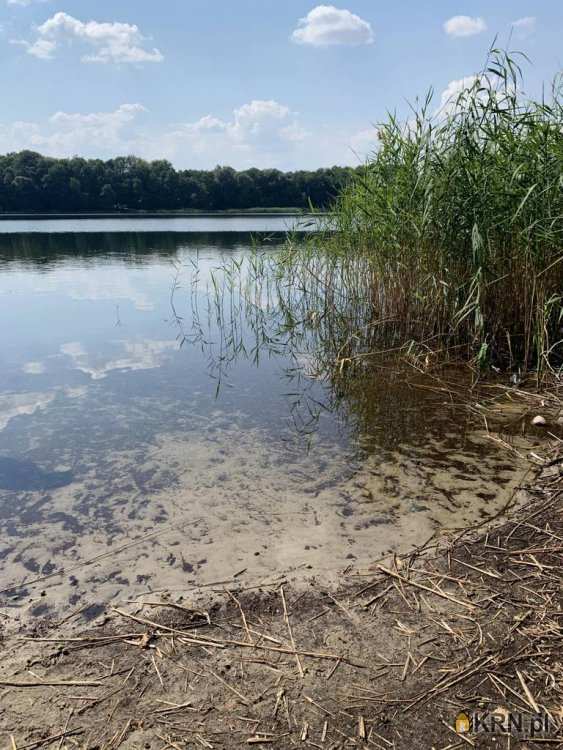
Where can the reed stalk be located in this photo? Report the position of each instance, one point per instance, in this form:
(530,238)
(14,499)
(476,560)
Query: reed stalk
(450,239)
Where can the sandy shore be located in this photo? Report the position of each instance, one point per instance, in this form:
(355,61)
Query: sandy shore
(385,657)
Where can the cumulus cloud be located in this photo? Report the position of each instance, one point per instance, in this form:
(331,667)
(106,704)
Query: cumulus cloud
(75,132)
(256,133)
(207,124)
(99,122)
(524,27)
(326,25)
(262,133)
(17,135)
(258,120)
(488,85)
(66,134)
(450,94)
(464,26)
(43,49)
(24,3)
(108,42)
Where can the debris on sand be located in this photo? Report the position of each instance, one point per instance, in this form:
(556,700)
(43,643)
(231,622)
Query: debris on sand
(421,651)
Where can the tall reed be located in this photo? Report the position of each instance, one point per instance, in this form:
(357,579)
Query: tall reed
(452,234)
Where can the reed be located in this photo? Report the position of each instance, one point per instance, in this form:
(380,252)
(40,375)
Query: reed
(450,239)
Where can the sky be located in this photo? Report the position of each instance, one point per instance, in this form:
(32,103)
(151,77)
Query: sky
(283,84)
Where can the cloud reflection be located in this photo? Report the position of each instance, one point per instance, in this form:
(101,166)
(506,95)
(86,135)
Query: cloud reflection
(26,404)
(137,355)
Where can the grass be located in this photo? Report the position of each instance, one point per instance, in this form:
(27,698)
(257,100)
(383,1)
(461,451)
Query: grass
(451,238)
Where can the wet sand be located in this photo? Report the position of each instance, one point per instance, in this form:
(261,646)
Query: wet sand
(188,510)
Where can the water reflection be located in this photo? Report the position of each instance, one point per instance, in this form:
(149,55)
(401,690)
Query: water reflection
(45,250)
(170,398)
(247,310)
(226,223)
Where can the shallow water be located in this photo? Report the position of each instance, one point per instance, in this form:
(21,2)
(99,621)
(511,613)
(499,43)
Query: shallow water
(148,441)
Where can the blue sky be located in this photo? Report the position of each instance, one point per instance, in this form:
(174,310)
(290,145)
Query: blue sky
(267,83)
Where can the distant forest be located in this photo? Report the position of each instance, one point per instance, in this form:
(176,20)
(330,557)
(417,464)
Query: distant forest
(31,182)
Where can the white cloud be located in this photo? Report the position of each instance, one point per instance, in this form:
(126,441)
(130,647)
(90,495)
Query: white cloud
(524,27)
(258,133)
(450,94)
(100,122)
(487,86)
(18,135)
(261,133)
(464,26)
(34,368)
(207,124)
(294,133)
(326,25)
(41,48)
(109,42)
(67,134)
(258,121)
(24,3)
(75,133)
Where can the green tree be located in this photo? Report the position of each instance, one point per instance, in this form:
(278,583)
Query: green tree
(32,182)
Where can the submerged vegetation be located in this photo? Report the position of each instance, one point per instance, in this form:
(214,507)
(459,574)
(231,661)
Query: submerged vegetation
(450,239)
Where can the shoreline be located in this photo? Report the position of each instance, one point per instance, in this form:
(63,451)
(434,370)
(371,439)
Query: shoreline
(161,215)
(468,623)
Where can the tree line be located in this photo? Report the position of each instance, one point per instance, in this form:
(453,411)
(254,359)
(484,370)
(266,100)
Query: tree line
(31,182)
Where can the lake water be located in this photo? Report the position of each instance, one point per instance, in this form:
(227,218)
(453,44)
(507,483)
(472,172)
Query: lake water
(156,435)
(192,224)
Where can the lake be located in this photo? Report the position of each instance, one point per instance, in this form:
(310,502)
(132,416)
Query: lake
(159,430)
(132,224)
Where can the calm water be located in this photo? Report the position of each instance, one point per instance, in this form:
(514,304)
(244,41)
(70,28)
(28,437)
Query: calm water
(154,434)
(270,223)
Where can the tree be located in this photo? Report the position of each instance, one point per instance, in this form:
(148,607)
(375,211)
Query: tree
(32,182)
(107,197)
